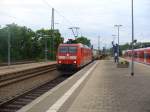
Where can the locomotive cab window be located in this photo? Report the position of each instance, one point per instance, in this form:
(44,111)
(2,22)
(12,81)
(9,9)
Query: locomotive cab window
(63,49)
(72,49)
(147,55)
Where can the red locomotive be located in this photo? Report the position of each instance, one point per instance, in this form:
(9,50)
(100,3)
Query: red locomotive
(141,55)
(71,57)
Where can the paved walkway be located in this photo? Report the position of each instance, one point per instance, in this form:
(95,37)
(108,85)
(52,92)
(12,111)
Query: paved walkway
(20,67)
(111,89)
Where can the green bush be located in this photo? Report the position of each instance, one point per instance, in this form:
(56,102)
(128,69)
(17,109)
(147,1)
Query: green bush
(124,62)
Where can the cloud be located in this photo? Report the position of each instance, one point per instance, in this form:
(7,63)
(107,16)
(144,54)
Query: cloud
(94,17)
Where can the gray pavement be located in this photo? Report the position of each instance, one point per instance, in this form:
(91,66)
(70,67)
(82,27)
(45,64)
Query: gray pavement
(106,89)
(111,89)
(46,100)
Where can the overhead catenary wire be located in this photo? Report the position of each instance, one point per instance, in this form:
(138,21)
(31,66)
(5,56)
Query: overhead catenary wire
(56,10)
(65,22)
(64,17)
(60,14)
(49,6)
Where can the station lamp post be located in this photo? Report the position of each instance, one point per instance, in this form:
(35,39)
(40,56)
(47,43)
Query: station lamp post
(9,47)
(46,49)
(118,26)
(113,42)
(132,64)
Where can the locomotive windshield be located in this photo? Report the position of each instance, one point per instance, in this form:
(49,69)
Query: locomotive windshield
(63,49)
(70,49)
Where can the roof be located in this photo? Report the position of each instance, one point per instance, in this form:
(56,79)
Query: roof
(78,44)
(140,49)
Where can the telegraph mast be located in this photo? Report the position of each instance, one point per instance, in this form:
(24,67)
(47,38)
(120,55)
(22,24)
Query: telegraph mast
(52,29)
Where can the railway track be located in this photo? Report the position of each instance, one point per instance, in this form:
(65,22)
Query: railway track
(25,74)
(18,83)
(17,103)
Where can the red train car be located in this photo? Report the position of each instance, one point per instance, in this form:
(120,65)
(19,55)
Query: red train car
(71,57)
(141,55)
(147,55)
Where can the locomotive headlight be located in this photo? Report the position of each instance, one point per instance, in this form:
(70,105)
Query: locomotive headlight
(74,62)
(59,61)
(67,54)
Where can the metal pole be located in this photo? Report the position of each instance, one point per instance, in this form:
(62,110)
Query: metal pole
(118,26)
(9,47)
(52,29)
(45,49)
(99,45)
(118,44)
(132,64)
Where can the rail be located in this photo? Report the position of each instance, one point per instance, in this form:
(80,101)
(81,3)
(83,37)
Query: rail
(9,79)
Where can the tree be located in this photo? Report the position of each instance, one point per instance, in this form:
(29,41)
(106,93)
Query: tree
(27,44)
(125,46)
(83,40)
(3,44)
(21,42)
(53,39)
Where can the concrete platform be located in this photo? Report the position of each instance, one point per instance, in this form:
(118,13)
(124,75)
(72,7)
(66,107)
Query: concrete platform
(100,87)
(15,68)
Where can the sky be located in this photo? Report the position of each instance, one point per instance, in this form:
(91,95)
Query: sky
(94,17)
